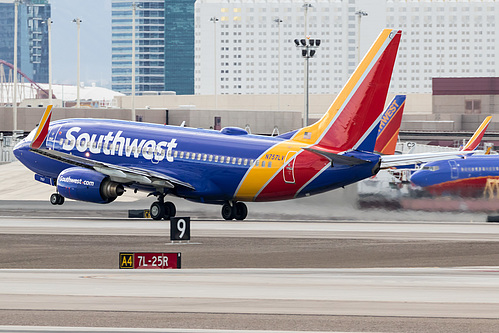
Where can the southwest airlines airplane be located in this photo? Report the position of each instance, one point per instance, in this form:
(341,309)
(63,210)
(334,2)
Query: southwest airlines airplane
(95,160)
(463,177)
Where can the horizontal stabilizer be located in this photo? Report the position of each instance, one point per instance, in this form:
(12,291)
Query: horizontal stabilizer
(336,158)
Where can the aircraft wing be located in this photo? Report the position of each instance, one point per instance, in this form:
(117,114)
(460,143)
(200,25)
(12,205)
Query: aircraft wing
(389,161)
(120,174)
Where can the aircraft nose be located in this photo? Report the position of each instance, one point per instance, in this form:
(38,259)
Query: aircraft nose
(20,148)
(418,178)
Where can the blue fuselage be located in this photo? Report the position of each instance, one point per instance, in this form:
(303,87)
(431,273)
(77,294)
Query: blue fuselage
(213,162)
(458,176)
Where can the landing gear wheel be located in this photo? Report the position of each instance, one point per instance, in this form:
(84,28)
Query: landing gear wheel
(241,211)
(56,199)
(228,212)
(170,210)
(157,210)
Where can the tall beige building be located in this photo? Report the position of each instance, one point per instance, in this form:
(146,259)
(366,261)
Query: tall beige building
(246,46)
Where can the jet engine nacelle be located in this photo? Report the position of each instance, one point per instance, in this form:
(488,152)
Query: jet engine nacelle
(88,185)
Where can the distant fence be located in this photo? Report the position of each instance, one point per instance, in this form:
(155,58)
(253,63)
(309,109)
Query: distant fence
(7,144)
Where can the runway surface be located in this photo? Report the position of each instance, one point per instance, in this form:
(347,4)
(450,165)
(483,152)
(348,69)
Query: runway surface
(281,275)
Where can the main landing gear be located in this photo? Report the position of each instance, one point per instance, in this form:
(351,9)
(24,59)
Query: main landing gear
(162,210)
(56,199)
(234,210)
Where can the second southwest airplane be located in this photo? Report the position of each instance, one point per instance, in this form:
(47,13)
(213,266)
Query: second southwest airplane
(94,160)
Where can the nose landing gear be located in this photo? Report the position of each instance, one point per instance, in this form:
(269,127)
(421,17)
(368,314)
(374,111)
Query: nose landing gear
(234,210)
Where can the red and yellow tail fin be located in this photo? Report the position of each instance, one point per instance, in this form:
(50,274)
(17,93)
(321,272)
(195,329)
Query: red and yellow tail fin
(389,126)
(476,138)
(355,112)
(43,128)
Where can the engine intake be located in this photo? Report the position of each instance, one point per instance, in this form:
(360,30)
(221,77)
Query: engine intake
(88,185)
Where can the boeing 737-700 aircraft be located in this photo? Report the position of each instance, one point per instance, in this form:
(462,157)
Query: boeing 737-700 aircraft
(458,176)
(95,160)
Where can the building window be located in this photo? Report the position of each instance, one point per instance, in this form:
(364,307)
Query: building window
(473,106)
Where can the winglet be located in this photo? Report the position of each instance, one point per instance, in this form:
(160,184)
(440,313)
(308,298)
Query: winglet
(477,136)
(389,126)
(43,128)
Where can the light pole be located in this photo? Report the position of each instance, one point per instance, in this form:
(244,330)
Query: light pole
(306,6)
(308,47)
(134,10)
(278,21)
(77,21)
(214,19)
(49,28)
(359,14)
(14,93)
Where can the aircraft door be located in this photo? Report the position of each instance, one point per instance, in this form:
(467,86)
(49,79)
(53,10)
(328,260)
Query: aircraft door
(454,172)
(52,138)
(289,168)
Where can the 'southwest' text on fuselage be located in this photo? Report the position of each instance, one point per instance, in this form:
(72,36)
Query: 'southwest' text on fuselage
(115,144)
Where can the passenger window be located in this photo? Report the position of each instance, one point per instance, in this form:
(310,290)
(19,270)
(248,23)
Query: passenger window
(210,158)
(199,157)
(245,161)
(227,160)
(193,156)
(233,160)
(221,159)
(239,161)
(263,164)
(175,154)
(205,157)
(269,164)
(257,162)
(216,158)
(187,155)
(251,162)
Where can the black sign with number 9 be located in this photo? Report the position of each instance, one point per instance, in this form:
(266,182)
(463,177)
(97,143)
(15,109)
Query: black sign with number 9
(180,228)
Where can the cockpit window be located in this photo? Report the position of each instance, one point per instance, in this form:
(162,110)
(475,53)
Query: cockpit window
(431,168)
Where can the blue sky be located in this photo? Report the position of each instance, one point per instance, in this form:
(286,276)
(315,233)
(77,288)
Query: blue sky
(95,41)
